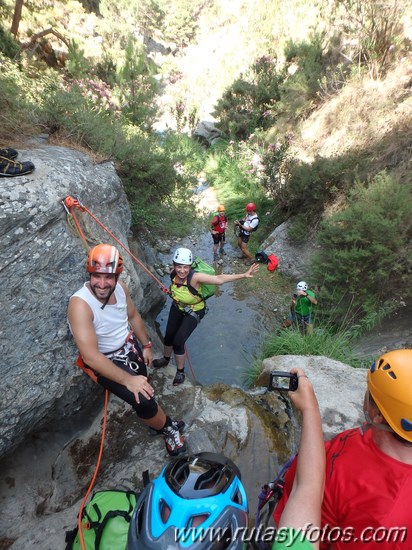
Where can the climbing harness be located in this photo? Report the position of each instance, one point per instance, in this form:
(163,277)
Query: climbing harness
(270,495)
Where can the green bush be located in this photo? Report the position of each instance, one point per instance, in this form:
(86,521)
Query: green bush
(309,187)
(365,256)
(250,102)
(335,344)
(19,94)
(76,63)
(136,88)
(308,56)
(8,44)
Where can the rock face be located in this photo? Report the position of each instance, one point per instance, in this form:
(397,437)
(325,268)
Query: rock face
(293,258)
(43,264)
(207,133)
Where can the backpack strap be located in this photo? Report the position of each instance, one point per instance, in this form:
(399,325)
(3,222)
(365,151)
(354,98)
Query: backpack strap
(191,288)
(101,522)
(215,221)
(110,515)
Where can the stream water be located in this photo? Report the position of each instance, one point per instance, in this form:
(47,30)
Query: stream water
(231,334)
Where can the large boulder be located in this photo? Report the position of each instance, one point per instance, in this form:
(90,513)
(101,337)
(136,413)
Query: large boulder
(43,264)
(340,388)
(294,258)
(207,133)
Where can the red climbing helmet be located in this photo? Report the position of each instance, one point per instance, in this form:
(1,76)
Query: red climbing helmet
(104,258)
(251,207)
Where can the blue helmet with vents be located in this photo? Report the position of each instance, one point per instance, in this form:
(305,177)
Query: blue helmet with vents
(198,502)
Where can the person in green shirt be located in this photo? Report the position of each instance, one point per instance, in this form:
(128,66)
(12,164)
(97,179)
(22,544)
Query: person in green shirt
(302,307)
(299,524)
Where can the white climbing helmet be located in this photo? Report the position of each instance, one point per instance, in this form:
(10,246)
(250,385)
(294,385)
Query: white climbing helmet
(302,286)
(183,256)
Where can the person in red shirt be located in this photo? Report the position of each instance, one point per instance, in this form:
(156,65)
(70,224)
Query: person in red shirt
(218,227)
(368,484)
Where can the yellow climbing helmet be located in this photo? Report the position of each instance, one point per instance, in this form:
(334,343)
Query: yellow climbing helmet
(221,208)
(390,384)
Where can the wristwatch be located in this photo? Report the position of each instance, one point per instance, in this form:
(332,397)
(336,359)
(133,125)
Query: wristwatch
(148,345)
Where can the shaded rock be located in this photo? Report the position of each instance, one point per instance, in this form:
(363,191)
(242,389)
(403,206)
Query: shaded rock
(207,133)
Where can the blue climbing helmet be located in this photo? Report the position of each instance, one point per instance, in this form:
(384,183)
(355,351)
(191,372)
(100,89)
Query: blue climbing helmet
(198,502)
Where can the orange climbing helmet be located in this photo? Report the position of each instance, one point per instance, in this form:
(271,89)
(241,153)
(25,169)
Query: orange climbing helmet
(250,207)
(221,208)
(389,383)
(104,258)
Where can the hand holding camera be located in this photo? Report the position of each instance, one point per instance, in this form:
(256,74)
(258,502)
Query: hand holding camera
(283,381)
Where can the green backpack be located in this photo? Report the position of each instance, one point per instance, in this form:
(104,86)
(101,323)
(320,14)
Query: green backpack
(105,521)
(205,290)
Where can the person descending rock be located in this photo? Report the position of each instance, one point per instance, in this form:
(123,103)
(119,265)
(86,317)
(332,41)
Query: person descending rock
(218,227)
(9,167)
(246,227)
(107,329)
(188,307)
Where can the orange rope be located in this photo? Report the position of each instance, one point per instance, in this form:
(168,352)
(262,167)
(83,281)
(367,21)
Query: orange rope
(190,364)
(79,518)
(70,202)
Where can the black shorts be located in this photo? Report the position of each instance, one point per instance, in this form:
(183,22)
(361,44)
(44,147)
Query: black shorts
(244,236)
(132,362)
(220,237)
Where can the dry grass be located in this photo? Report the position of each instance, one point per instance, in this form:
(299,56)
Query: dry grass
(61,140)
(369,116)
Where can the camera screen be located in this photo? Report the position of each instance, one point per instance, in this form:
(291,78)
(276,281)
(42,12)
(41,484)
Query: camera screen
(283,381)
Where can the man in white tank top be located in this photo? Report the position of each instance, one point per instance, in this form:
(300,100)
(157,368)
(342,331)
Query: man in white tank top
(107,329)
